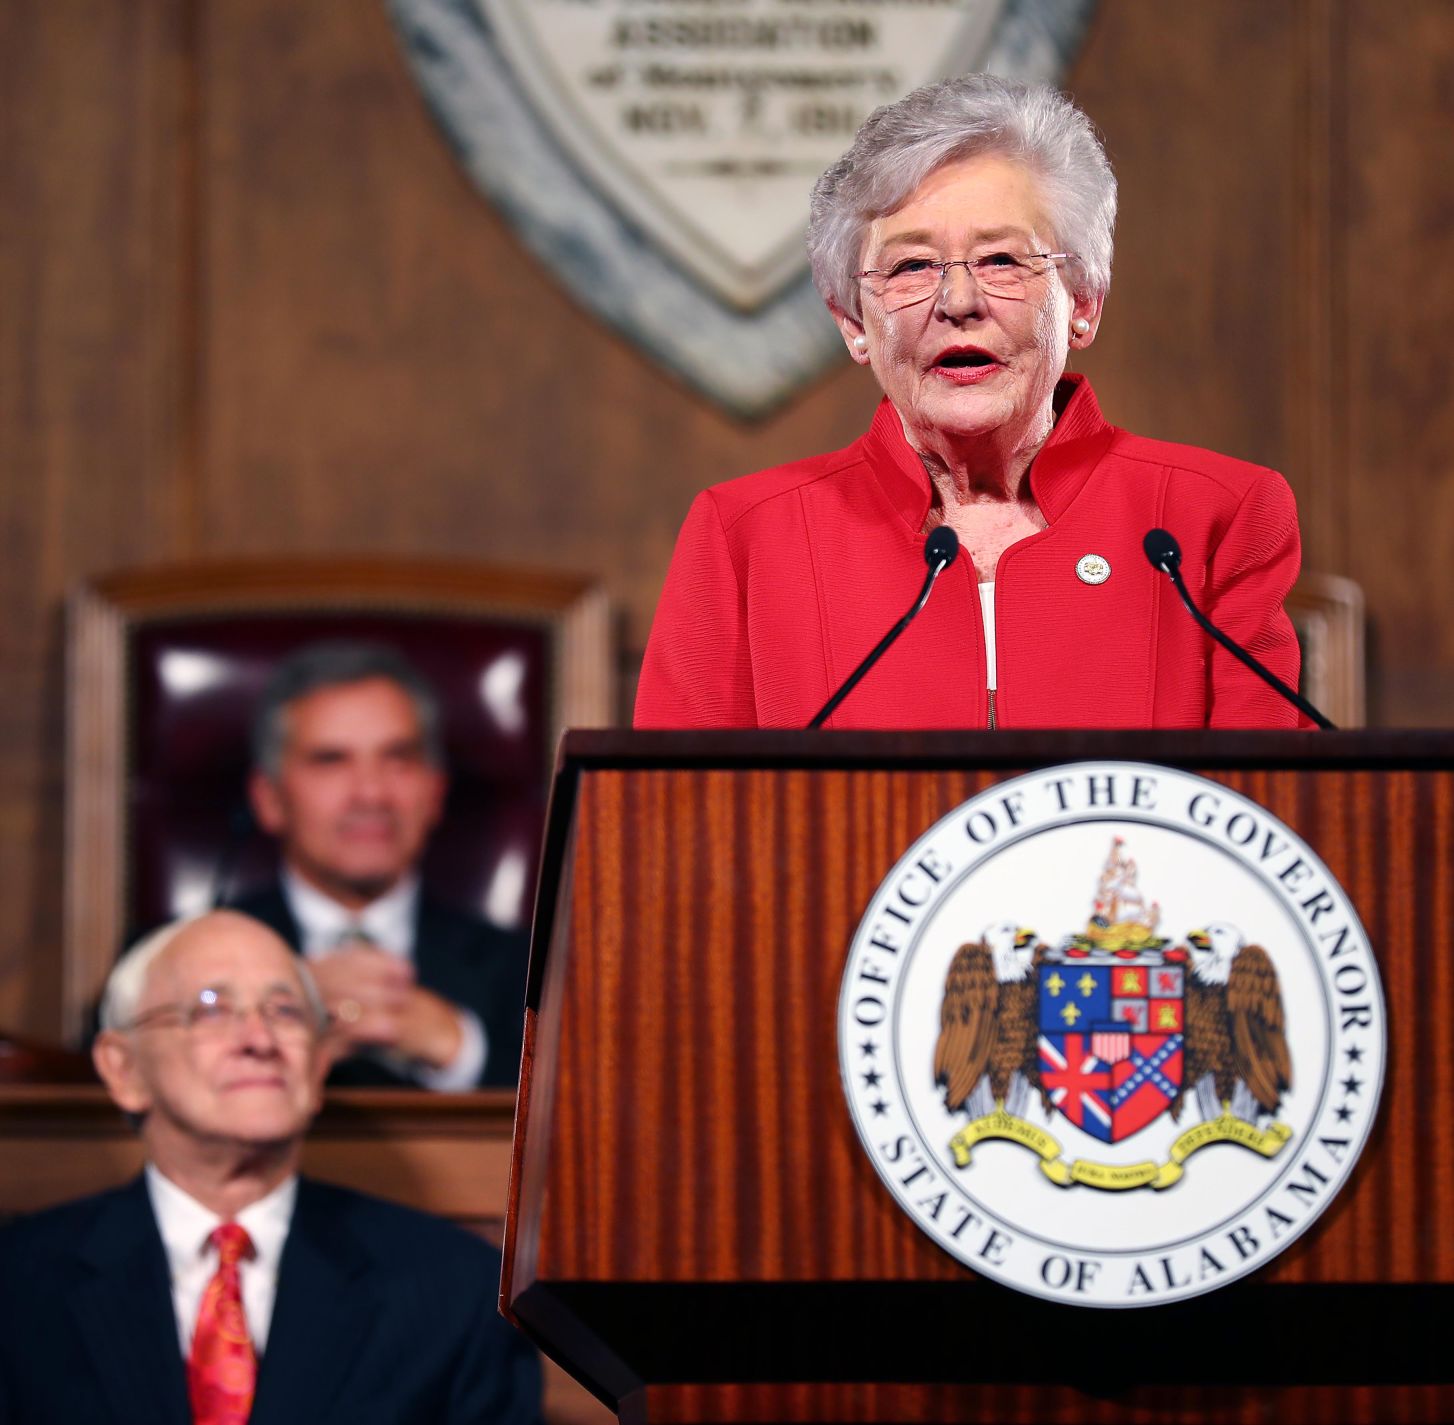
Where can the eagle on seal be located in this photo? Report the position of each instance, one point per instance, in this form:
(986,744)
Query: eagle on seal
(986,1054)
(1236,1040)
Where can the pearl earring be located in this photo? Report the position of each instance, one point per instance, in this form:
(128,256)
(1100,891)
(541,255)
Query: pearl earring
(1080,326)
(860,343)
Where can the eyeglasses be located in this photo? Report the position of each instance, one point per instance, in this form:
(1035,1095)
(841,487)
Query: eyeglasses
(214,1014)
(916,279)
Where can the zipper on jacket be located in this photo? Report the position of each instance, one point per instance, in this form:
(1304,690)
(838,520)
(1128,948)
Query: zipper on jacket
(991,724)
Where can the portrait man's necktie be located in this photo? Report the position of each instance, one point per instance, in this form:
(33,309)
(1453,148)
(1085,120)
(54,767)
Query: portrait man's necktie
(222,1369)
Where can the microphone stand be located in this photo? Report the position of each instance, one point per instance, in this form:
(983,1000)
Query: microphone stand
(940,552)
(1165,554)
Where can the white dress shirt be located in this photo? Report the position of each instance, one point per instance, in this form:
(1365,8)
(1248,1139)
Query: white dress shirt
(186,1226)
(987,615)
(388,923)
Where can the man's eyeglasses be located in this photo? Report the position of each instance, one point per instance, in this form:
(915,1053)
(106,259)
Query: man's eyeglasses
(215,1014)
(916,279)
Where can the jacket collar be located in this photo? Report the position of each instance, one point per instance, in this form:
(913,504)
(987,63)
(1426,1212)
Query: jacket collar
(325,1306)
(1080,437)
(123,1309)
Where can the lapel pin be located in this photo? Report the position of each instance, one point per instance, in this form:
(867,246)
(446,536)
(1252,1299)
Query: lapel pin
(1093,569)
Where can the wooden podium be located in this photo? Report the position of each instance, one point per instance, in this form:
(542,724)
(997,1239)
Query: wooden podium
(694,1230)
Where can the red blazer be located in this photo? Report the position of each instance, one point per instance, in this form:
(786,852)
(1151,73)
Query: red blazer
(783,580)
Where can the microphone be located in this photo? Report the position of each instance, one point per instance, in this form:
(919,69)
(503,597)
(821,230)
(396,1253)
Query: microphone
(1164,553)
(1162,550)
(940,550)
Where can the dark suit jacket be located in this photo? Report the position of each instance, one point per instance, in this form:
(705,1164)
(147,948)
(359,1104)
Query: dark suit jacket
(383,1316)
(470,962)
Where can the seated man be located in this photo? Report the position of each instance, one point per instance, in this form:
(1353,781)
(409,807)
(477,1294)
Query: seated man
(220,1280)
(347,774)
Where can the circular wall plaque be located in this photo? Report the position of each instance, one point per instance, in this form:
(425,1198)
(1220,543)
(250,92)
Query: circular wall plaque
(1112,1034)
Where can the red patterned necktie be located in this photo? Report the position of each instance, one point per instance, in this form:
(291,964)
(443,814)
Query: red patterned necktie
(222,1370)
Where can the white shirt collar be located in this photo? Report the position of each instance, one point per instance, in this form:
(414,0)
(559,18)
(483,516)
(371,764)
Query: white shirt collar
(389,921)
(186,1225)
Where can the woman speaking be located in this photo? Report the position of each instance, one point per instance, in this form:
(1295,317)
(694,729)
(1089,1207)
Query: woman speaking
(963,246)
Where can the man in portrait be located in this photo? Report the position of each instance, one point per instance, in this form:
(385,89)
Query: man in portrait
(348,775)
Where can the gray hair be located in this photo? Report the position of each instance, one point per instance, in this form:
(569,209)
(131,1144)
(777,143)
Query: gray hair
(901,144)
(126,984)
(338,664)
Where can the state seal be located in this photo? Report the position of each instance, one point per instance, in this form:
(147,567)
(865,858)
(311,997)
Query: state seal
(1112,1034)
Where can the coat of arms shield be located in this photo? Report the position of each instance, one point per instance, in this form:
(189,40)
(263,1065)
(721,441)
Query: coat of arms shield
(1111,1038)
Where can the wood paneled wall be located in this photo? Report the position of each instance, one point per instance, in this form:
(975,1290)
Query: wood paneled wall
(249,304)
